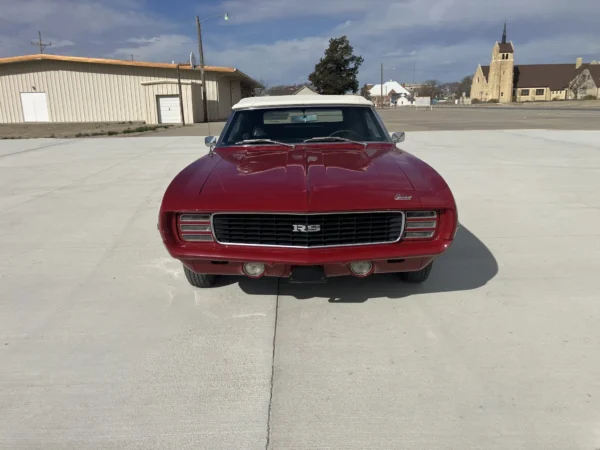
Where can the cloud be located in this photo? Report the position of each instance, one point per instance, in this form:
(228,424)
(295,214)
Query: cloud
(281,62)
(244,11)
(165,47)
(280,41)
(59,43)
(67,22)
(443,39)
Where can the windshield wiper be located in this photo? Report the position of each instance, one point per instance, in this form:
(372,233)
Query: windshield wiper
(334,138)
(264,141)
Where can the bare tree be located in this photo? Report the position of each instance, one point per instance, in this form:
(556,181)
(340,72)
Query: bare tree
(449,90)
(464,86)
(430,88)
(578,85)
(264,86)
(364,91)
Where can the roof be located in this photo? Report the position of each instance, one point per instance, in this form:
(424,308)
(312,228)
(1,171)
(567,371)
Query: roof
(486,71)
(554,76)
(287,90)
(506,48)
(283,90)
(388,87)
(301,100)
(594,70)
(120,62)
(305,87)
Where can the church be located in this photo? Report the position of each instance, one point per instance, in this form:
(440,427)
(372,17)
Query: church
(504,82)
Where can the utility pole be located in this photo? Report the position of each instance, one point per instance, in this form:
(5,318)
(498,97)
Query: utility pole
(180,96)
(40,43)
(414,72)
(381,85)
(202,74)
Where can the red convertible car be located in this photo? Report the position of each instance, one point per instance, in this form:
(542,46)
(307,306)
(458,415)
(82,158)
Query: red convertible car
(306,187)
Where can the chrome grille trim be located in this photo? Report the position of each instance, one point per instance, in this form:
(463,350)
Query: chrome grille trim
(400,234)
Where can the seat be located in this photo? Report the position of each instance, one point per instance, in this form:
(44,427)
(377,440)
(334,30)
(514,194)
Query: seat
(259,133)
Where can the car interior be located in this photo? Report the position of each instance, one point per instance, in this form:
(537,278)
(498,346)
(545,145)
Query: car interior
(296,125)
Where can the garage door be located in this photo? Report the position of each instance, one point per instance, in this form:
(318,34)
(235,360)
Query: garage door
(35,107)
(168,109)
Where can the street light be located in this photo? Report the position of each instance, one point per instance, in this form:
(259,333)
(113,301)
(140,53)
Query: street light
(201,54)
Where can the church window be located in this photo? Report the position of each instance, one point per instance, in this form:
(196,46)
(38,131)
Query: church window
(501,94)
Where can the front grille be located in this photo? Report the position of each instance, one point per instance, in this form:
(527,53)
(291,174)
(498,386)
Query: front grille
(309,230)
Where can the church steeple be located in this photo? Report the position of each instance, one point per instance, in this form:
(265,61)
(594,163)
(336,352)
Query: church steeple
(504,34)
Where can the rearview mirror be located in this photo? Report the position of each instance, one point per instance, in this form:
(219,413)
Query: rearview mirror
(210,141)
(398,136)
(304,119)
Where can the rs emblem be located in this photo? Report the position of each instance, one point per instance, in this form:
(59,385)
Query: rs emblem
(306,228)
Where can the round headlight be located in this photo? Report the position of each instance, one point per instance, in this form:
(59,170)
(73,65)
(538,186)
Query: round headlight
(361,268)
(254,269)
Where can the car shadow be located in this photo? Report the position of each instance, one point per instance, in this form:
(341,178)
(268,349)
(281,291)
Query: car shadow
(468,264)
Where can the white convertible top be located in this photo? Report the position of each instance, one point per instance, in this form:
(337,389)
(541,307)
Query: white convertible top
(301,100)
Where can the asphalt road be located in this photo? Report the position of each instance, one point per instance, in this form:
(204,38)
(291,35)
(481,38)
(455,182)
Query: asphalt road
(104,345)
(456,118)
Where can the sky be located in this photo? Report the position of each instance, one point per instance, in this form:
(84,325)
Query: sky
(280,41)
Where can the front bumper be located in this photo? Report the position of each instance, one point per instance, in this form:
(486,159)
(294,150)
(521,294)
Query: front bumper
(279,262)
(285,270)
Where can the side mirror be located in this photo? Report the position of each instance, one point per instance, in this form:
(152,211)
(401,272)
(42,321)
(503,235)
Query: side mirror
(398,136)
(210,141)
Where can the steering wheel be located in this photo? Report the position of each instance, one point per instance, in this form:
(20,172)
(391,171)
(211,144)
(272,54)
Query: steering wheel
(349,132)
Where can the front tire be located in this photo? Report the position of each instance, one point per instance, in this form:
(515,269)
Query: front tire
(417,277)
(199,280)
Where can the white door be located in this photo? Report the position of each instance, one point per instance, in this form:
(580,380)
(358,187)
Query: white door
(35,107)
(168,109)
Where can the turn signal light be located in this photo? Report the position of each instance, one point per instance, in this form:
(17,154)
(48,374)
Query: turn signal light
(195,228)
(420,224)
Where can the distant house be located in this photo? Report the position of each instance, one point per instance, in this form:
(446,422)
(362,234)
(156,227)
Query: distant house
(393,94)
(293,89)
(306,90)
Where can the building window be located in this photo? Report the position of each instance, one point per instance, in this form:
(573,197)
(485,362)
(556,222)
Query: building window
(524,91)
(539,92)
(501,94)
(478,79)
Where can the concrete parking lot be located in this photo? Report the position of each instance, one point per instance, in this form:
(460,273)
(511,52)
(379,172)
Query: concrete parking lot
(104,345)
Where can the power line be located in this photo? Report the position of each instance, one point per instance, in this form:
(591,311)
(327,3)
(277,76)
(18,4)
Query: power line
(40,43)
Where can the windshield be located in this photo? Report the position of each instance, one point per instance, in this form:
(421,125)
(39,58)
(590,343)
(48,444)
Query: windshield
(297,124)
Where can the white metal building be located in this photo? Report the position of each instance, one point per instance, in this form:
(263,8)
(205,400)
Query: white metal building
(393,93)
(51,88)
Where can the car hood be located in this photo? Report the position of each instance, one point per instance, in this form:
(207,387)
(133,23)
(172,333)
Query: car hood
(308,178)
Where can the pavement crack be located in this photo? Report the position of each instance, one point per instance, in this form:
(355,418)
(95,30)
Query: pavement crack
(80,179)
(53,144)
(268,443)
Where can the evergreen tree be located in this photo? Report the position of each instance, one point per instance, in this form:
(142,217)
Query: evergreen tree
(336,73)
